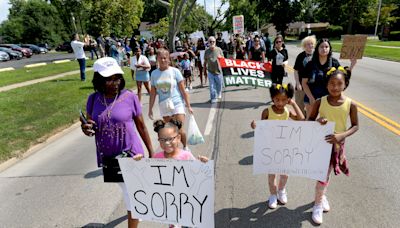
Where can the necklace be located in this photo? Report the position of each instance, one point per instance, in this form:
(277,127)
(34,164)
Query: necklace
(109,108)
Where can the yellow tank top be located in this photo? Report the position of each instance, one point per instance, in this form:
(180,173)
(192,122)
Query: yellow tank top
(337,114)
(274,116)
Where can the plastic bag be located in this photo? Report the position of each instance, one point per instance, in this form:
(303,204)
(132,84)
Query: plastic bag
(194,135)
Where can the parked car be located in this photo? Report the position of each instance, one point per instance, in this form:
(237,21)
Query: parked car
(66,46)
(35,49)
(4,56)
(11,53)
(45,45)
(25,51)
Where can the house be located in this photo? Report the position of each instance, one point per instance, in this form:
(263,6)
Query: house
(270,28)
(296,28)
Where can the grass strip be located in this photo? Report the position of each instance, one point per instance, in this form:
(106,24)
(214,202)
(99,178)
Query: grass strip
(375,52)
(33,113)
(26,74)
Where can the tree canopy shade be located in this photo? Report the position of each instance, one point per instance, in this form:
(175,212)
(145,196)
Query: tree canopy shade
(33,21)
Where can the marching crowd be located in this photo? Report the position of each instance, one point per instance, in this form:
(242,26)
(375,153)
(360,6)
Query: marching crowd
(114,114)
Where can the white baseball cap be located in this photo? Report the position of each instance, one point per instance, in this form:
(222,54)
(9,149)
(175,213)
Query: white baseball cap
(107,67)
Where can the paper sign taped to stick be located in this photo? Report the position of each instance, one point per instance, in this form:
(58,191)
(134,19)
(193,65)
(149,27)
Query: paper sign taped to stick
(238,24)
(170,191)
(295,148)
(244,72)
(353,46)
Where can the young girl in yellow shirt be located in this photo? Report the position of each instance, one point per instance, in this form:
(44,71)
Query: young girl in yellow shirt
(334,107)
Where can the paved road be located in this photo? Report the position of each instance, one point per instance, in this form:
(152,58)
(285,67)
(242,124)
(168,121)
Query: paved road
(61,185)
(41,58)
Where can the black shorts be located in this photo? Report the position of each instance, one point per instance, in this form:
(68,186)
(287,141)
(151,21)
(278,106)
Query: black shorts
(187,73)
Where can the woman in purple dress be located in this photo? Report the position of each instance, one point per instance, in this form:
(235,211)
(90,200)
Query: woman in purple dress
(114,116)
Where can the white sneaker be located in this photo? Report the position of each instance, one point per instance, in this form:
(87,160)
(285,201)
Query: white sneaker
(317,212)
(219,96)
(187,89)
(325,204)
(190,87)
(272,201)
(282,196)
(187,149)
(213,101)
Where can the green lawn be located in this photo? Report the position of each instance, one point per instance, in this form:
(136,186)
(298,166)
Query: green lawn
(375,52)
(25,74)
(31,114)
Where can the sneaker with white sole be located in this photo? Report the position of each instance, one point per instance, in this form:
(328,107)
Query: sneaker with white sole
(282,196)
(272,201)
(317,213)
(219,96)
(325,204)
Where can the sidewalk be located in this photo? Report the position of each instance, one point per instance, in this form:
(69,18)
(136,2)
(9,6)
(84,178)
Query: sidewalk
(48,78)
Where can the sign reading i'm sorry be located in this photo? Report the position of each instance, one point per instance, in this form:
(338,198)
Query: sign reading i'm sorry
(243,72)
(170,191)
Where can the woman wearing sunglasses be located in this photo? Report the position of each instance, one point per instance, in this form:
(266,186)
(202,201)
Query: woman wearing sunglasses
(279,57)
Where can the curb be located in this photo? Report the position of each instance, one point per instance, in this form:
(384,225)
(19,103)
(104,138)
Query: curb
(62,61)
(7,69)
(12,161)
(35,65)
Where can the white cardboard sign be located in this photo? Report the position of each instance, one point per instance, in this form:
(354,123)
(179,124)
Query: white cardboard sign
(295,148)
(171,191)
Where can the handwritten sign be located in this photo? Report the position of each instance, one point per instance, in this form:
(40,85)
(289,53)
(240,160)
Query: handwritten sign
(171,191)
(238,24)
(295,148)
(353,46)
(245,72)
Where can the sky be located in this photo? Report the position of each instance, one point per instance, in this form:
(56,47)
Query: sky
(4,6)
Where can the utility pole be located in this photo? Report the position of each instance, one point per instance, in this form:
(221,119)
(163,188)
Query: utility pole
(377,18)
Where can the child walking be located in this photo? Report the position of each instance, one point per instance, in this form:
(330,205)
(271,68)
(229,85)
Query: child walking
(187,71)
(281,96)
(169,138)
(334,107)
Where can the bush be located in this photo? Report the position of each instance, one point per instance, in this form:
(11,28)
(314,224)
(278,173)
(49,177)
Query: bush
(394,35)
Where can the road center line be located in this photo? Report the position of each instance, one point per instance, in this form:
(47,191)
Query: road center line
(210,120)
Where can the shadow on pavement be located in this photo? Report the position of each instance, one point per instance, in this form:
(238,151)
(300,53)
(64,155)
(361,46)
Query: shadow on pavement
(111,224)
(233,105)
(94,174)
(259,216)
(247,135)
(247,160)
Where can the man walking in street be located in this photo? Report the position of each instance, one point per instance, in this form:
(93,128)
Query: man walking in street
(77,47)
(212,69)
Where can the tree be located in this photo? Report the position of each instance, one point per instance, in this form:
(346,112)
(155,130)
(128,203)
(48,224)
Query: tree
(249,10)
(120,17)
(153,12)
(198,20)
(385,18)
(161,29)
(33,21)
(178,11)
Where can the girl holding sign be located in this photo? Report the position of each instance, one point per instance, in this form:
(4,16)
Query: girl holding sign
(334,107)
(169,138)
(281,96)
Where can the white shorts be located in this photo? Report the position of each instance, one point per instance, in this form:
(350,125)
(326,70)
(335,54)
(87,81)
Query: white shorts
(126,196)
(179,108)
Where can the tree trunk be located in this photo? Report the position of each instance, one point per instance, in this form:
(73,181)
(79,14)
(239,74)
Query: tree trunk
(351,19)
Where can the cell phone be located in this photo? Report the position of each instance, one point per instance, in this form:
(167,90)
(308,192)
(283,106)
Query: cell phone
(83,117)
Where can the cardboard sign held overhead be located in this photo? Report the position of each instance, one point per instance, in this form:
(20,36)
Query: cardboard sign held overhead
(353,46)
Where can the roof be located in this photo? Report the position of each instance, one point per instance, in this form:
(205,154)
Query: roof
(302,24)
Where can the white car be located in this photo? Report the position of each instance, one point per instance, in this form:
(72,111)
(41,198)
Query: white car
(4,56)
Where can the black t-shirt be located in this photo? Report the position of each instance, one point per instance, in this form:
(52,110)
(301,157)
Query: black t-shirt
(276,56)
(256,53)
(301,61)
(316,73)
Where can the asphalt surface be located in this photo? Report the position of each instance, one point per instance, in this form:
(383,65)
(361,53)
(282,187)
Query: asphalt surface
(38,58)
(60,185)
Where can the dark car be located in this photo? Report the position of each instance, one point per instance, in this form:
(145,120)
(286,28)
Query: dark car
(11,53)
(45,45)
(35,49)
(66,46)
(25,51)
